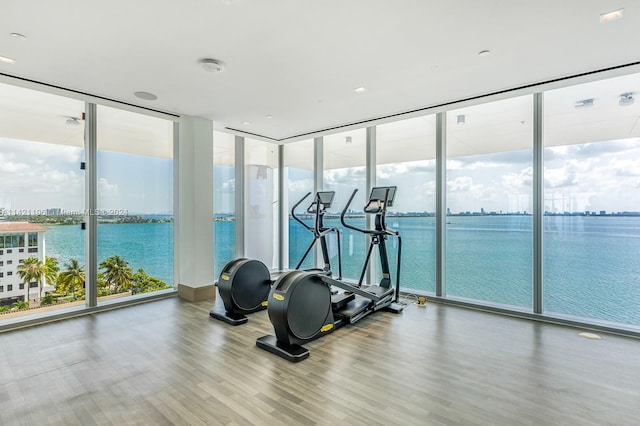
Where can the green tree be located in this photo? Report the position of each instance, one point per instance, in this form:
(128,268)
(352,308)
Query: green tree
(143,283)
(71,278)
(51,270)
(103,288)
(31,270)
(117,273)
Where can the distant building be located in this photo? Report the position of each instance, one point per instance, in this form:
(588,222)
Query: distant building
(19,240)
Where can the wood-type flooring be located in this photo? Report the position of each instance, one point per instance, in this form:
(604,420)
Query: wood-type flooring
(167,363)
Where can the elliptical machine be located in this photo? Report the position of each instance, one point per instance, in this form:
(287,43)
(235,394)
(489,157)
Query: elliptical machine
(301,308)
(244,284)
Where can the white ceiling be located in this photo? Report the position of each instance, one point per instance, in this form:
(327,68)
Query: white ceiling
(299,60)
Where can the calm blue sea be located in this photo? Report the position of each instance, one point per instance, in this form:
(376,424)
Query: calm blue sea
(591,264)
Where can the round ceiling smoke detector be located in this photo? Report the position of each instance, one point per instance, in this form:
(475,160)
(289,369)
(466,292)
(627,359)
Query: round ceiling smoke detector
(211,65)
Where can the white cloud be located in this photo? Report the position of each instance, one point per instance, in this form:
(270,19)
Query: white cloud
(460,184)
(228,186)
(625,166)
(11,167)
(300,186)
(517,182)
(105,189)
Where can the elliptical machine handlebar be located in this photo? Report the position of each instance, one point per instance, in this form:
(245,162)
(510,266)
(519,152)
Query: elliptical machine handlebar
(293,212)
(344,211)
(316,207)
(381,209)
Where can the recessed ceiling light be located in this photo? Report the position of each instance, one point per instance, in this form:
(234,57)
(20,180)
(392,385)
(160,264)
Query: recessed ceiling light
(484,53)
(246,123)
(19,36)
(211,65)
(6,60)
(626,99)
(146,96)
(611,16)
(359,89)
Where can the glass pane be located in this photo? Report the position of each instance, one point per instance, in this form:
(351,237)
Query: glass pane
(344,170)
(298,161)
(592,201)
(490,201)
(135,203)
(41,200)
(405,157)
(224,192)
(261,202)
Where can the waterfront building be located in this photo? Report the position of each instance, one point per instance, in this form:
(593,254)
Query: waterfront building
(18,241)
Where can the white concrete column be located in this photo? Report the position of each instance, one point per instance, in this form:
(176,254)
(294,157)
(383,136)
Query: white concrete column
(193,209)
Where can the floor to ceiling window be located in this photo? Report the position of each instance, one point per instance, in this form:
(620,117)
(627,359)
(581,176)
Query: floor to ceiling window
(344,157)
(489,202)
(261,202)
(592,200)
(224,183)
(405,157)
(135,203)
(298,163)
(41,202)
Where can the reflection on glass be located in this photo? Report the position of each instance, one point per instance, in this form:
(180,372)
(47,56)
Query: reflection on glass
(261,202)
(405,157)
(224,183)
(41,201)
(298,160)
(489,202)
(344,171)
(592,202)
(135,203)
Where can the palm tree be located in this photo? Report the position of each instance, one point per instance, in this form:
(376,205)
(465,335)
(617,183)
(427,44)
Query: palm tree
(30,270)
(51,270)
(72,277)
(117,273)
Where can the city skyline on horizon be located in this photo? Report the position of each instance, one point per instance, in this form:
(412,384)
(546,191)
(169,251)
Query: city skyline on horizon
(587,177)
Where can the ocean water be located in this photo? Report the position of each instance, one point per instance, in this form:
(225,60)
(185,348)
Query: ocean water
(591,264)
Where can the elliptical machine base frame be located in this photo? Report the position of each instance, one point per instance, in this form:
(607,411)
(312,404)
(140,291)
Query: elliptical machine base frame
(292,353)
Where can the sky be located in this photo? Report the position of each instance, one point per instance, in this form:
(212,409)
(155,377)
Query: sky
(577,178)
(586,177)
(40,176)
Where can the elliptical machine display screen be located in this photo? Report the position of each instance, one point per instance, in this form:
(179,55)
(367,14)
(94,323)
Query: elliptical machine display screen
(325,198)
(377,197)
(378,193)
